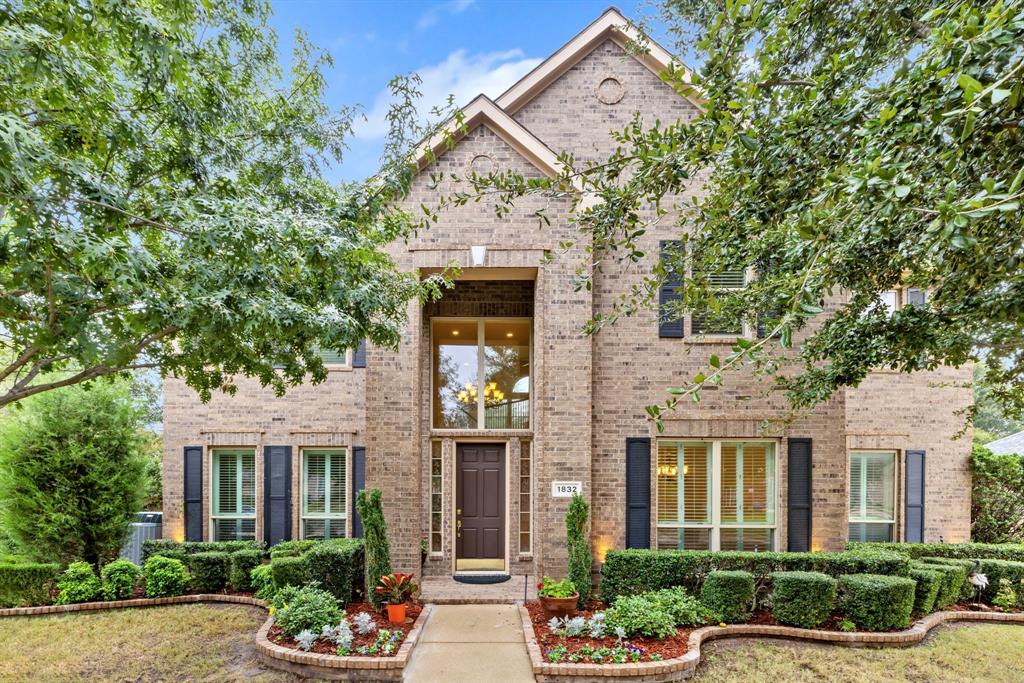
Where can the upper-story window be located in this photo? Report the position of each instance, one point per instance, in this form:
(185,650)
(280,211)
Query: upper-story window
(481,373)
(701,323)
(895,299)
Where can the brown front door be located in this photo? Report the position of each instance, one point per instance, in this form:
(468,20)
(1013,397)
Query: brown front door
(480,506)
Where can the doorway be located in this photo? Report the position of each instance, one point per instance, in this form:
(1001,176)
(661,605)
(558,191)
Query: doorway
(480,507)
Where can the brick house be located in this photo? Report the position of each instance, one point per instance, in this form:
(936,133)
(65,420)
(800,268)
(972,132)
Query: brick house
(495,406)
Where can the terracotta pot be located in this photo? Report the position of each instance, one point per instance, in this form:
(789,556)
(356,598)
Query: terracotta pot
(396,613)
(560,607)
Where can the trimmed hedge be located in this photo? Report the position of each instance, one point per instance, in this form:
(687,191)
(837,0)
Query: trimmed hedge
(877,603)
(242,564)
(165,577)
(209,570)
(293,548)
(803,599)
(78,583)
(119,579)
(628,572)
(729,594)
(929,581)
(963,551)
(338,566)
(995,570)
(289,571)
(954,585)
(27,583)
(178,549)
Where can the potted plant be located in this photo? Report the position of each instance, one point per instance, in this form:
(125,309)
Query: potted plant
(557,597)
(395,589)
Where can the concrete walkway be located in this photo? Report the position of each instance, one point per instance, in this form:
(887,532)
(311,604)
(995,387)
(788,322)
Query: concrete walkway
(471,644)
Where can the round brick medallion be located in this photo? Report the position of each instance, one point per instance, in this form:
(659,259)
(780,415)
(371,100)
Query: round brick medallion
(481,164)
(610,90)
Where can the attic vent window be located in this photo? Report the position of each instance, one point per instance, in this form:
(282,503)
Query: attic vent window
(481,165)
(610,90)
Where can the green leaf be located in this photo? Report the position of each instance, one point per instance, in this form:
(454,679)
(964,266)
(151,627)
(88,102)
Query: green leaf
(902,191)
(714,361)
(1000,94)
(748,142)
(969,84)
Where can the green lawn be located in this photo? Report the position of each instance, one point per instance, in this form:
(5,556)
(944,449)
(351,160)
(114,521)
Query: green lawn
(951,654)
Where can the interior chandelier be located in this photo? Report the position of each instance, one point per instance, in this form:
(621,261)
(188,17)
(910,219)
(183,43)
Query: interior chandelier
(492,394)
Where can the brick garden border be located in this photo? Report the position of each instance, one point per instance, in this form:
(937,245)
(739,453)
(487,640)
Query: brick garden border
(680,668)
(307,664)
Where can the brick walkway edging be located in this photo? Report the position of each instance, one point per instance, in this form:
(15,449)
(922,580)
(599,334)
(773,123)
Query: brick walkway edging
(681,668)
(308,664)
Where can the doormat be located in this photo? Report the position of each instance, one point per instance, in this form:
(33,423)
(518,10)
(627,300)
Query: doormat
(481,579)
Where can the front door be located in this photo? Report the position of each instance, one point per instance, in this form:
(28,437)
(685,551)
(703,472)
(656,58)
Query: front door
(480,506)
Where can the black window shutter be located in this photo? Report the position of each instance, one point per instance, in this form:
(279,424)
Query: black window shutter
(913,528)
(277,494)
(638,493)
(193,493)
(358,484)
(798,486)
(671,327)
(359,355)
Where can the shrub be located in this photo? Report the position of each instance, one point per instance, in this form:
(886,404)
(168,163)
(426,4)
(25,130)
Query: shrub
(955,586)
(802,599)
(293,548)
(877,603)
(1006,597)
(628,572)
(684,609)
(578,540)
(375,534)
(262,579)
(929,582)
(119,579)
(165,577)
(78,583)
(209,571)
(962,551)
(72,472)
(181,550)
(997,497)
(729,594)
(242,564)
(337,565)
(997,570)
(302,608)
(639,615)
(290,571)
(26,583)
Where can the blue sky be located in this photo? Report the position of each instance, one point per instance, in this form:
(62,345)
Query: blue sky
(461,47)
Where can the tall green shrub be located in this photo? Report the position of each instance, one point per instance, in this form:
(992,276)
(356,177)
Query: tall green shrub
(375,534)
(997,497)
(578,539)
(72,474)
(78,583)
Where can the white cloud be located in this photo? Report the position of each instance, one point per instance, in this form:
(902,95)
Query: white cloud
(433,15)
(462,75)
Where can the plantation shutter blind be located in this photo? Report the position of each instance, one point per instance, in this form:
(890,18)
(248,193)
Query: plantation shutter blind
(798,485)
(358,484)
(193,487)
(277,498)
(638,493)
(913,531)
(672,325)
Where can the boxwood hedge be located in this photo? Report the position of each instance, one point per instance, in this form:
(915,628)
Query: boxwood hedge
(877,603)
(628,572)
(802,599)
(963,551)
(929,581)
(954,585)
(179,550)
(27,583)
(209,570)
(289,571)
(338,567)
(996,570)
(729,594)
(242,564)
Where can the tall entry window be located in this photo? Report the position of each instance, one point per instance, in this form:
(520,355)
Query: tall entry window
(872,496)
(481,373)
(716,495)
(323,494)
(234,495)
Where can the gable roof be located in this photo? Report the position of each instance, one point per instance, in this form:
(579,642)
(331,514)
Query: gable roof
(1014,443)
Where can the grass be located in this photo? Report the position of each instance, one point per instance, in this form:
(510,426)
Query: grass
(186,642)
(954,653)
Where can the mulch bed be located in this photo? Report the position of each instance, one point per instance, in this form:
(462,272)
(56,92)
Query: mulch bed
(673,646)
(326,647)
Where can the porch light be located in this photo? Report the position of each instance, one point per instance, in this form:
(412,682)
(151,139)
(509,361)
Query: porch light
(478,254)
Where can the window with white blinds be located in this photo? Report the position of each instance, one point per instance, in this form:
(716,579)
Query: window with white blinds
(703,322)
(872,496)
(234,495)
(716,495)
(324,489)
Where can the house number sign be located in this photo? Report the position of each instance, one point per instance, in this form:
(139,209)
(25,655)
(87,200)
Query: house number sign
(566,489)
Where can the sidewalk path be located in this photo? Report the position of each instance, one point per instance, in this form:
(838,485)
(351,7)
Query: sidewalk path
(471,644)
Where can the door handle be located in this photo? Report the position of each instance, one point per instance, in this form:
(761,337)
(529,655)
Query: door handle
(458,529)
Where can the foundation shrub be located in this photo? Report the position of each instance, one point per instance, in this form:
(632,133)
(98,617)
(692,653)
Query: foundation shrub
(929,582)
(27,583)
(962,551)
(963,588)
(802,599)
(165,577)
(685,609)
(578,539)
(304,608)
(729,594)
(953,584)
(375,535)
(877,603)
(997,570)
(242,564)
(628,572)
(181,549)
(78,583)
(209,570)
(293,548)
(262,580)
(337,565)
(119,579)
(290,571)
(639,615)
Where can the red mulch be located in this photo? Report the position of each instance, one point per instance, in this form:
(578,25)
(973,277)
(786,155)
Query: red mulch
(326,647)
(673,646)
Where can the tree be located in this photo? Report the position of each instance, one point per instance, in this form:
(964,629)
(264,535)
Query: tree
(990,419)
(377,550)
(997,497)
(72,472)
(846,149)
(577,533)
(163,201)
